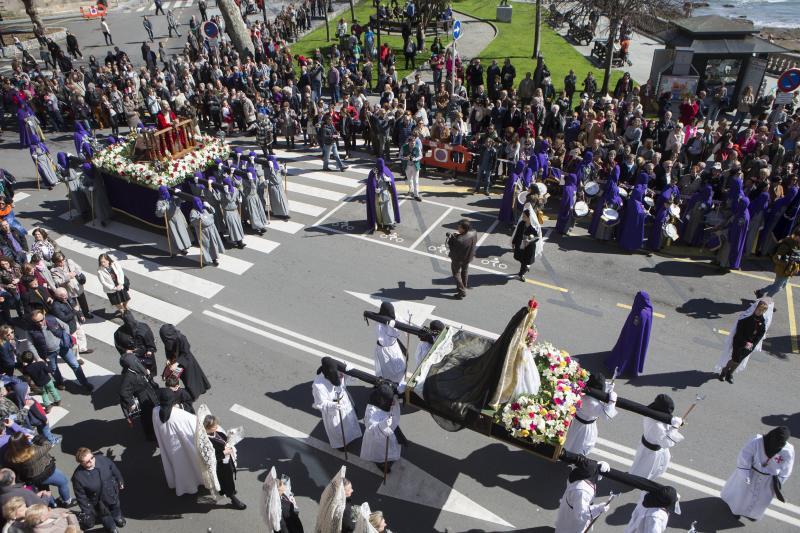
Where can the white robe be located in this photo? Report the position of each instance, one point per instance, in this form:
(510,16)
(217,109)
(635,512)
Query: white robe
(389,360)
(581,438)
(648,520)
(422,350)
(325,395)
(528,380)
(179,456)
(753,499)
(378,426)
(651,464)
(575,509)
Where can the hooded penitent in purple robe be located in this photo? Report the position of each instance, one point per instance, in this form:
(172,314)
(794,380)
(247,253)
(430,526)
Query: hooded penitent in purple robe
(737,233)
(539,161)
(696,206)
(665,197)
(522,175)
(735,188)
(631,229)
(584,169)
(371,191)
(81,139)
(565,213)
(630,351)
(759,203)
(27,136)
(609,198)
(766,241)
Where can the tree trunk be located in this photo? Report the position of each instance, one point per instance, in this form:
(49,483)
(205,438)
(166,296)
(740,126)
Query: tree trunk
(235,27)
(352,12)
(536,38)
(30,9)
(612,35)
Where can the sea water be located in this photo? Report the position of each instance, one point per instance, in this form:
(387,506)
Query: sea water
(775,13)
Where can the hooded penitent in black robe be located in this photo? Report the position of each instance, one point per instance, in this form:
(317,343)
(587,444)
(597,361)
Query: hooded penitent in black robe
(136,384)
(177,345)
(139,337)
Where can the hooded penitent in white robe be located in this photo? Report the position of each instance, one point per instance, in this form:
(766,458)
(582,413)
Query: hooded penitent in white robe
(325,396)
(380,425)
(581,437)
(648,520)
(179,455)
(575,510)
(751,500)
(649,463)
(389,360)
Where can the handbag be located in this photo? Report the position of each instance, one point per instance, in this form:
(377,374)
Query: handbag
(126,284)
(81,277)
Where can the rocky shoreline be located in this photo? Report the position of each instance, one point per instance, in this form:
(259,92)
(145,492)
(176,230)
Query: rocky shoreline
(786,37)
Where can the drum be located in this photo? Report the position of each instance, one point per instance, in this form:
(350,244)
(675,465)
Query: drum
(671,232)
(610,216)
(542,188)
(623,193)
(714,218)
(522,197)
(591,188)
(675,210)
(581,209)
(714,242)
(649,202)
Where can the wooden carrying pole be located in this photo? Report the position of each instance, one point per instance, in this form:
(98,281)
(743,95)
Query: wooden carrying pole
(166,228)
(200,238)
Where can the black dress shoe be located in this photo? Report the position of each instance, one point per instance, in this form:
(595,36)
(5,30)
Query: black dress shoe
(120,522)
(89,316)
(238,504)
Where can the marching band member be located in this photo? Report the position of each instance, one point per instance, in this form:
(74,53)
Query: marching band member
(336,405)
(576,510)
(768,240)
(763,466)
(631,233)
(519,180)
(759,204)
(731,252)
(202,217)
(652,456)
(582,434)
(694,214)
(745,338)
(630,351)
(390,359)
(566,215)
(381,421)
(652,512)
(598,227)
(665,198)
(230,199)
(169,207)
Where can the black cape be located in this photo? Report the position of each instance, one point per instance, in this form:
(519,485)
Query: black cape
(176,344)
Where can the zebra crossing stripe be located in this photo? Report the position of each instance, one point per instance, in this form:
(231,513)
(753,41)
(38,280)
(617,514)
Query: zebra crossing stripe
(325,178)
(285,226)
(260,244)
(364,171)
(19,196)
(141,302)
(150,269)
(101,330)
(305,209)
(316,192)
(96,374)
(142,8)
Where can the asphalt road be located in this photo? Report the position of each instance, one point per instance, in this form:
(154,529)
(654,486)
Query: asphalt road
(260,322)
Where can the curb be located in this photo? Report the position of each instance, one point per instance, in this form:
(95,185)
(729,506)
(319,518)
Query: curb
(33,44)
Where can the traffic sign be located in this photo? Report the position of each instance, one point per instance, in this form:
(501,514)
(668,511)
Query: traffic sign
(456,30)
(788,81)
(210,30)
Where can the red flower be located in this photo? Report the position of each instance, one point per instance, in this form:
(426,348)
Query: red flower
(515,406)
(533,304)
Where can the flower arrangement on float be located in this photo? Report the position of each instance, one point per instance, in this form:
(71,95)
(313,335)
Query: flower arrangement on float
(545,417)
(116,160)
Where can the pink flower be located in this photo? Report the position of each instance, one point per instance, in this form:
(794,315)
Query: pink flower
(558,401)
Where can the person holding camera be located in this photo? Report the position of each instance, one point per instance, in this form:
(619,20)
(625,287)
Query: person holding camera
(97,482)
(462,247)
(787,264)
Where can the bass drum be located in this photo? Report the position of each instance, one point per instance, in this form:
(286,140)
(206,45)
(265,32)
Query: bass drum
(671,232)
(581,209)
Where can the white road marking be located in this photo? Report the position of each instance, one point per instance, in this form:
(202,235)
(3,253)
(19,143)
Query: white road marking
(238,323)
(141,302)
(102,330)
(55,415)
(19,196)
(96,374)
(354,168)
(298,336)
(419,312)
(260,244)
(325,178)
(142,8)
(165,5)
(468,209)
(285,226)
(488,232)
(406,482)
(282,154)
(316,192)
(430,228)
(131,263)
(140,236)
(305,209)
(341,205)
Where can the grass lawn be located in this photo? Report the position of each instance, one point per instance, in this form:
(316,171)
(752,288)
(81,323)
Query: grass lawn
(515,40)
(316,39)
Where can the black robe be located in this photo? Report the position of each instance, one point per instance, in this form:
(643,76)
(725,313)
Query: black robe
(349,517)
(193,377)
(290,517)
(141,337)
(136,384)
(749,329)
(524,253)
(226,472)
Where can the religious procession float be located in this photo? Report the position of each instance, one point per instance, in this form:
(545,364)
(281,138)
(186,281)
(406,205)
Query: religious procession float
(134,167)
(518,388)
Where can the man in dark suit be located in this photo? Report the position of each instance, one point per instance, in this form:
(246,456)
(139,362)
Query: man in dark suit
(462,250)
(97,483)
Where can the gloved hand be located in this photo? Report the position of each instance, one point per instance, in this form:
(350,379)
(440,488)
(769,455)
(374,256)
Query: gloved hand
(612,397)
(604,467)
(206,204)
(177,190)
(676,421)
(392,323)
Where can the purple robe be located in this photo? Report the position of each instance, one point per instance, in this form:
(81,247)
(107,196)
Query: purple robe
(565,213)
(737,232)
(734,191)
(584,168)
(631,231)
(539,161)
(610,197)
(629,353)
(81,139)
(774,215)
(662,214)
(509,198)
(371,191)
(27,137)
